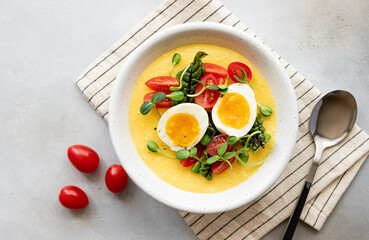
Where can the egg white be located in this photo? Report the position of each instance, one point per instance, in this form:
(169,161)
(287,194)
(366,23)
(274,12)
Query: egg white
(247,92)
(193,109)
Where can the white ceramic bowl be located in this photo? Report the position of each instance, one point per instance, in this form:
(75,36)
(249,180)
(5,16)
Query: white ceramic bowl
(261,57)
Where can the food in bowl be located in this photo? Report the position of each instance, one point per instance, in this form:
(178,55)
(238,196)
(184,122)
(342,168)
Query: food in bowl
(213,122)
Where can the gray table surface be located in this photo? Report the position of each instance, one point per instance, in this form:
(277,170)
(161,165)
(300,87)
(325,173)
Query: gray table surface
(44,46)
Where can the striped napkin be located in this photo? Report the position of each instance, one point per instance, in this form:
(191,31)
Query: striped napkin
(338,166)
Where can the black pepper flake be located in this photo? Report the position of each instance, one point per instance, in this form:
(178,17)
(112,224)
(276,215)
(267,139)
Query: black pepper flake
(154,128)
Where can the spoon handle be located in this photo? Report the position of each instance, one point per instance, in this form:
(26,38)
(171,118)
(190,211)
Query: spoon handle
(295,217)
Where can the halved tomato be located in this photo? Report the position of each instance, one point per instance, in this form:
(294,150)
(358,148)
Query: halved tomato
(216,70)
(190,160)
(215,143)
(162,83)
(235,69)
(209,97)
(166,103)
(219,167)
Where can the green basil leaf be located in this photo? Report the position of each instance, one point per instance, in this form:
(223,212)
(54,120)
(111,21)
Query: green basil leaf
(158,97)
(182,154)
(146,107)
(193,152)
(222,149)
(229,155)
(232,140)
(152,146)
(213,159)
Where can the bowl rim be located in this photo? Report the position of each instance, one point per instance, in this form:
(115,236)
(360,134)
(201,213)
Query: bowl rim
(115,105)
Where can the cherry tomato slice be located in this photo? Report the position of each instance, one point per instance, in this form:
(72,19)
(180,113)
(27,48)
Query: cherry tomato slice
(217,70)
(235,69)
(219,167)
(215,143)
(166,103)
(73,197)
(85,159)
(190,160)
(162,83)
(116,178)
(209,97)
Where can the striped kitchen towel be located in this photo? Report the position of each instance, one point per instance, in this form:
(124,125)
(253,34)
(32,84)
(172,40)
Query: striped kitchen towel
(337,168)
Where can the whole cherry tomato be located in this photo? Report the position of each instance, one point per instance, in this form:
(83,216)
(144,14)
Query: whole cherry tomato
(216,70)
(116,178)
(219,167)
(235,69)
(190,160)
(83,158)
(215,144)
(73,197)
(162,83)
(166,103)
(209,97)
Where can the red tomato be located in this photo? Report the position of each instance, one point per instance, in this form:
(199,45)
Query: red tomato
(209,97)
(116,178)
(235,69)
(73,197)
(215,143)
(83,158)
(191,161)
(217,70)
(162,83)
(166,103)
(219,167)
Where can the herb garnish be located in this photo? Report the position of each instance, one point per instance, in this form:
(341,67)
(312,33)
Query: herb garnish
(158,97)
(153,147)
(175,60)
(191,76)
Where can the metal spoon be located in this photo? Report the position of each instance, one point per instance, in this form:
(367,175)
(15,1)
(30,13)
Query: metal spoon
(332,119)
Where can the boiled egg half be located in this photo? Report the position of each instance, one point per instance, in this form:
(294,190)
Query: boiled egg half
(235,112)
(183,126)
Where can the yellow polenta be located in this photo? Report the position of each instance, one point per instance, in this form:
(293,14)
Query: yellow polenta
(143,128)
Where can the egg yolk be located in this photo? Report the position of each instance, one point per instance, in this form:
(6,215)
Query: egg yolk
(234,110)
(183,129)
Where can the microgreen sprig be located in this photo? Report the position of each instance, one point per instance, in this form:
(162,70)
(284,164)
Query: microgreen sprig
(175,60)
(158,97)
(153,147)
(265,110)
(184,153)
(209,134)
(223,88)
(180,81)
(148,105)
(243,79)
(222,155)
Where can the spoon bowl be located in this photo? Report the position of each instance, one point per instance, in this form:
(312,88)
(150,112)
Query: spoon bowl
(331,120)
